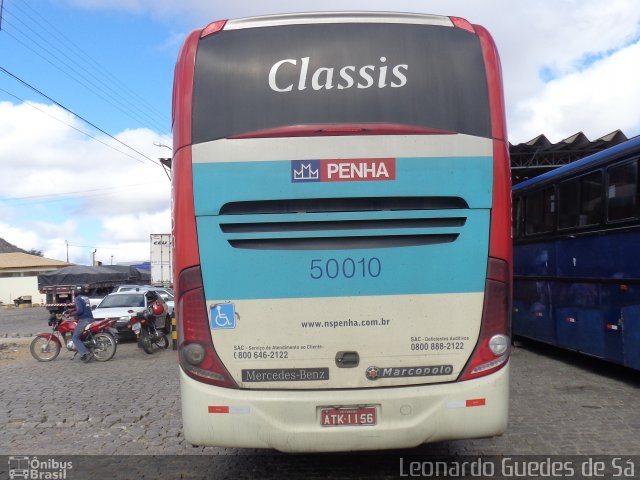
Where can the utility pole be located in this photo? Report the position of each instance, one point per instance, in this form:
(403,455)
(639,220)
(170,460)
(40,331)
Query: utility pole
(93,258)
(66,241)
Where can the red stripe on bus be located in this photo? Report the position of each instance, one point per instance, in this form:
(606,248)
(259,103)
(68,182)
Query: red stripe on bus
(319,130)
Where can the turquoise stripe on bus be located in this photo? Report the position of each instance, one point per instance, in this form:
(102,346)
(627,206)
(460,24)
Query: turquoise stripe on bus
(215,184)
(238,273)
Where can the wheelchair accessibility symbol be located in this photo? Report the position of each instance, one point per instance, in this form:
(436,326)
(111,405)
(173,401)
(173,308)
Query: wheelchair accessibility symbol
(223,315)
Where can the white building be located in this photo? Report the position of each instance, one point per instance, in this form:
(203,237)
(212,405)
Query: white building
(19,275)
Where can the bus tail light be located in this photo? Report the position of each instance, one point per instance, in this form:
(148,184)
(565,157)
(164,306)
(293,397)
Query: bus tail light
(197,356)
(493,348)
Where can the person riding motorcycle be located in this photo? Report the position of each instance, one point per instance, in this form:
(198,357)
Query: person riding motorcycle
(84,316)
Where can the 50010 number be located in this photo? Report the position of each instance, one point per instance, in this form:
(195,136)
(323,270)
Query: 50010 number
(348,268)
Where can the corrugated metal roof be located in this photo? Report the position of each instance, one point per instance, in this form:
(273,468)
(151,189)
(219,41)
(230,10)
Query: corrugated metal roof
(24,260)
(619,151)
(538,155)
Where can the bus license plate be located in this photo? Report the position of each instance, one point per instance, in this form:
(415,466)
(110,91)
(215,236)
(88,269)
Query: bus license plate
(346,417)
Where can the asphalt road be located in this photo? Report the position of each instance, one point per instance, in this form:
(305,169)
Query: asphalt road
(21,322)
(561,404)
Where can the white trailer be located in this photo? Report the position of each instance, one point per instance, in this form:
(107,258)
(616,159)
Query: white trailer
(161,262)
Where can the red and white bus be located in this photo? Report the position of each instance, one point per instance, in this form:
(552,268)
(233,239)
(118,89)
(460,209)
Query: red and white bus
(341,216)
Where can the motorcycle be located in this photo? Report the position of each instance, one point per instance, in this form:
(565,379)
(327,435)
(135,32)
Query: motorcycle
(150,338)
(100,337)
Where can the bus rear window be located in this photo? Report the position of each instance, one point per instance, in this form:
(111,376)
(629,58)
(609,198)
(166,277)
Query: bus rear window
(256,79)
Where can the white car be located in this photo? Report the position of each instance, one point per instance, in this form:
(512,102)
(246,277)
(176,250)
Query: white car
(165,293)
(121,306)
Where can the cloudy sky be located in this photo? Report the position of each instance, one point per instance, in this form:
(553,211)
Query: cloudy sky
(71,186)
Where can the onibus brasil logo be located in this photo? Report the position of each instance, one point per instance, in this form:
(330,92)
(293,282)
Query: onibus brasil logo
(38,469)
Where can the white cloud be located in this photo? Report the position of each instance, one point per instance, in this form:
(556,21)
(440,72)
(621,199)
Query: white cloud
(136,226)
(46,237)
(596,100)
(60,186)
(25,239)
(124,252)
(48,157)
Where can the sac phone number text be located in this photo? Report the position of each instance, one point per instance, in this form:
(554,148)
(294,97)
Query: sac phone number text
(261,355)
(436,346)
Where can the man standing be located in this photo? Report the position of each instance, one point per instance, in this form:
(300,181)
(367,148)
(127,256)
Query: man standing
(83,314)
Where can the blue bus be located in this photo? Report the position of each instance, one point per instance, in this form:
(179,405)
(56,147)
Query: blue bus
(576,265)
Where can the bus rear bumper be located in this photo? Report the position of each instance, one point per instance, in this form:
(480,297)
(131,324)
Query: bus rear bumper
(290,420)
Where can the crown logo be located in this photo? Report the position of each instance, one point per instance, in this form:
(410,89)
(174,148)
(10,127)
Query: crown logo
(306,172)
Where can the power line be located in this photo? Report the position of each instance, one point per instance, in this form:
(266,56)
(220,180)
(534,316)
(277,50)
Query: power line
(45,25)
(105,190)
(97,86)
(31,87)
(70,126)
(62,198)
(69,49)
(94,246)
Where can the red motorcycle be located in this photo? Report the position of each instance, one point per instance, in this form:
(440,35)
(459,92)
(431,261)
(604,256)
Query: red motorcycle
(99,337)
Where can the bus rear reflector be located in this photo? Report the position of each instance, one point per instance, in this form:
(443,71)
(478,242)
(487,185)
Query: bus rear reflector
(463,24)
(493,348)
(212,28)
(197,356)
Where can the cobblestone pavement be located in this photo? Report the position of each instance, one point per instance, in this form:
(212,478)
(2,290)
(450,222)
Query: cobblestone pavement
(561,404)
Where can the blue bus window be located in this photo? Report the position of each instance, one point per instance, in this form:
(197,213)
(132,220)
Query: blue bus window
(580,201)
(622,192)
(540,211)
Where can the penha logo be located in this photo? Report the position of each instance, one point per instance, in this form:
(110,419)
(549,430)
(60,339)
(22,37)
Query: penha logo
(343,170)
